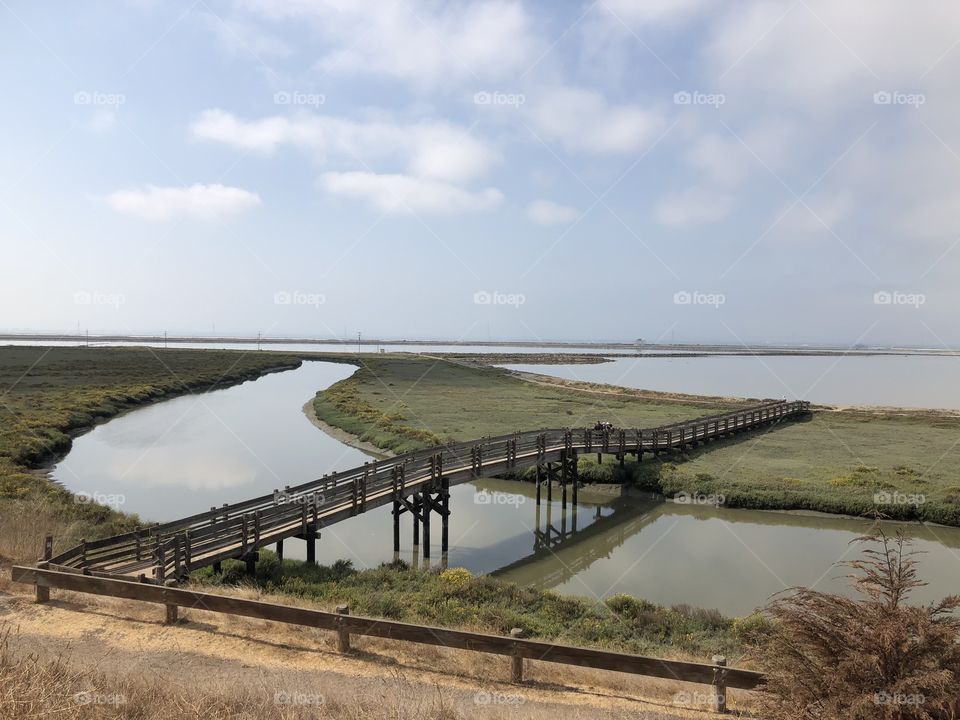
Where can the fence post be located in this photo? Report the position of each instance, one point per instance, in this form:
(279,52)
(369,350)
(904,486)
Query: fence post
(43,593)
(516,661)
(719,684)
(171,616)
(343,636)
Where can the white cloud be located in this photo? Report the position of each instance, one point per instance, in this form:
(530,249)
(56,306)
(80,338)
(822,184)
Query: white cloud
(692,207)
(419,41)
(764,51)
(653,11)
(405,194)
(437,150)
(238,37)
(545,212)
(582,120)
(203,202)
(103,121)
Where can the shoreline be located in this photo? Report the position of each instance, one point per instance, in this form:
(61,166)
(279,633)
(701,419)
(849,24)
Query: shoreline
(46,466)
(343,436)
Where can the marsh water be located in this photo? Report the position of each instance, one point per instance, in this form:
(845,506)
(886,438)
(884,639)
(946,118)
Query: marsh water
(187,454)
(916,381)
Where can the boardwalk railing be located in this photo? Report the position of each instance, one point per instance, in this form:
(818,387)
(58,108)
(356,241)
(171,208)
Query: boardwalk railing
(718,675)
(236,531)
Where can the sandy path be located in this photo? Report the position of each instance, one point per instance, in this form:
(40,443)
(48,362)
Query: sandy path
(212,652)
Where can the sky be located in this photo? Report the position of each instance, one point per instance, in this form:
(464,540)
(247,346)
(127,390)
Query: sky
(734,171)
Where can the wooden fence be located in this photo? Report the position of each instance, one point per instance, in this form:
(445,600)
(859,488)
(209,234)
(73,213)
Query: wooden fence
(717,675)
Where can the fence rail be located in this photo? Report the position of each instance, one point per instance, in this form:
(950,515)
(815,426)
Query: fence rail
(177,547)
(717,675)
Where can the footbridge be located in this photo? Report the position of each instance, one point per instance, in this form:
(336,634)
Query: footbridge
(417,483)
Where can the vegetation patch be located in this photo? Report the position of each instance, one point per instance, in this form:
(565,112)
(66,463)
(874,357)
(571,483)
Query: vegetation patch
(455,598)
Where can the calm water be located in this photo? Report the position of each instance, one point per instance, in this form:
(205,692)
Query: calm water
(895,380)
(184,455)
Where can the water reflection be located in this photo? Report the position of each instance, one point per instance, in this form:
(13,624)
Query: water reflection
(187,454)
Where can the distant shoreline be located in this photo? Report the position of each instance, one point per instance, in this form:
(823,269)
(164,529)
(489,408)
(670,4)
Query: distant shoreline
(622,347)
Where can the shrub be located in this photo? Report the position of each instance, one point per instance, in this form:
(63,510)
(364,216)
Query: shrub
(456,577)
(875,657)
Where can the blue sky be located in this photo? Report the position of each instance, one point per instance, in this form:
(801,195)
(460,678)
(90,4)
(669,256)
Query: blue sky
(707,171)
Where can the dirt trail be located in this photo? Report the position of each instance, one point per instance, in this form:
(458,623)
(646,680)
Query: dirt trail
(213,652)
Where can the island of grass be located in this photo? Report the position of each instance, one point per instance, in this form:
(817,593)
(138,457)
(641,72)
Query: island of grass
(903,464)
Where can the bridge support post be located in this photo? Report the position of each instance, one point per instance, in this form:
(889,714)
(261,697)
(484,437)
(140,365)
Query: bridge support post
(311,539)
(396,526)
(280,550)
(538,481)
(445,505)
(564,471)
(427,509)
(251,561)
(575,474)
(417,502)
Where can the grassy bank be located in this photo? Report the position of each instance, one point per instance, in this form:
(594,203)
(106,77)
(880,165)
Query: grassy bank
(904,464)
(50,394)
(403,404)
(455,599)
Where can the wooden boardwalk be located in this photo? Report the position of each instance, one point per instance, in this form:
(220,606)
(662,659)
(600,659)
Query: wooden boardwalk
(416,482)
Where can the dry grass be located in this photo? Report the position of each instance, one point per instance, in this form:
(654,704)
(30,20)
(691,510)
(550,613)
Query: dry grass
(31,687)
(26,522)
(216,666)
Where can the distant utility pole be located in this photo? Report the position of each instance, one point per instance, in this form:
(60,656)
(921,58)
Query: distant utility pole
(258,340)
(164,339)
(88,337)
(358,342)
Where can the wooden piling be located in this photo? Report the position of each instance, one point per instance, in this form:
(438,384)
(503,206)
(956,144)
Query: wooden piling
(445,506)
(427,508)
